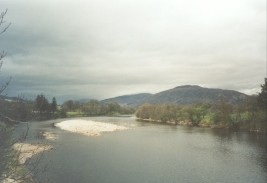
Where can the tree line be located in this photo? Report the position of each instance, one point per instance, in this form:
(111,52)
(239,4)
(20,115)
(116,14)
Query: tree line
(250,115)
(20,110)
(95,108)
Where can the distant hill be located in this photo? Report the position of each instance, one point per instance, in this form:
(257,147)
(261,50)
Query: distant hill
(129,100)
(191,94)
(9,99)
(185,95)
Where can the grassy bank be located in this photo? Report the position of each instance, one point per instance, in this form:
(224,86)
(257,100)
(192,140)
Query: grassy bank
(217,115)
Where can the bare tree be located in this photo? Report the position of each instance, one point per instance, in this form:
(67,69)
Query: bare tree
(2,16)
(12,161)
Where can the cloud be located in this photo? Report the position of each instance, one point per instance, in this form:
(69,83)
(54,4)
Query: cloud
(101,49)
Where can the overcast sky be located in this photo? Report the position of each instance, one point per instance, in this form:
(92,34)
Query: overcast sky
(106,48)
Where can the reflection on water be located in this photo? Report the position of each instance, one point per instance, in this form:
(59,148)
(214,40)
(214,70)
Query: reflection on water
(152,152)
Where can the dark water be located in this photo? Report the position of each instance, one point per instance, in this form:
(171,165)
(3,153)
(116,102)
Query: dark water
(152,153)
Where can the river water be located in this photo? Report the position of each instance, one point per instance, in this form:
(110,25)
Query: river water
(151,153)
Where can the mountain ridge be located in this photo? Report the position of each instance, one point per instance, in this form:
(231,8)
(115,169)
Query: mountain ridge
(184,95)
(127,100)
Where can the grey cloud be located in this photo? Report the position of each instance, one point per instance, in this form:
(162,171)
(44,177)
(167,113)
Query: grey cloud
(92,49)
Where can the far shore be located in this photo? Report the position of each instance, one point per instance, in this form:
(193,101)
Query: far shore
(203,125)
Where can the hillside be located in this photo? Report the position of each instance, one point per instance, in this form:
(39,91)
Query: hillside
(185,95)
(129,100)
(191,94)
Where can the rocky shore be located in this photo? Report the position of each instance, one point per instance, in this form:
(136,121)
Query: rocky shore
(88,127)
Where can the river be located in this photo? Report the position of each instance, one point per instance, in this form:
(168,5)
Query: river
(151,153)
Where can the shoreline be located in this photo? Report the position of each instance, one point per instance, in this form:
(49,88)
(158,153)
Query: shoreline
(202,125)
(27,151)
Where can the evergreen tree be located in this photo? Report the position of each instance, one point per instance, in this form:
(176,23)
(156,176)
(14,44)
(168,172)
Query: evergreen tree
(54,105)
(42,104)
(262,96)
(262,102)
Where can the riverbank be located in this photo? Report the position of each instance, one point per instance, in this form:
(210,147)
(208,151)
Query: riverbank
(27,151)
(88,127)
(203,125)
(18,172)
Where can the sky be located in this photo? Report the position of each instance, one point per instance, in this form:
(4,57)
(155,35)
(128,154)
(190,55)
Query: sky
(99,49)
